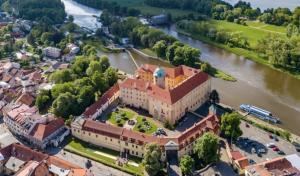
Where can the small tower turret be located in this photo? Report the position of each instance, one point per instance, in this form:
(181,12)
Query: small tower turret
(159,77)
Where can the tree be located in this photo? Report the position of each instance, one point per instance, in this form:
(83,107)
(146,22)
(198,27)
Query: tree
(160,48)
(205,67)
(43,99)
(99,82)
(94,66)
(214,97)
(85,97)
(111,76)
(61,76)
(152,158)
(206,148)
(292,30)
(64,105)
(230,126)
(104,62)
(80,65)
(187,165)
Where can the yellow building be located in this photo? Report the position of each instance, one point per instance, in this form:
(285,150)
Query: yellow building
(167,93)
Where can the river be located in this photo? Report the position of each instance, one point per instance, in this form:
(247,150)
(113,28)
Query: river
(257,84)
(264,4)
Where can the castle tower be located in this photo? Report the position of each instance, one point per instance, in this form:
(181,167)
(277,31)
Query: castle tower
(159,77)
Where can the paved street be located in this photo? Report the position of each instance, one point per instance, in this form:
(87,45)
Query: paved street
(6,138)
(261,139)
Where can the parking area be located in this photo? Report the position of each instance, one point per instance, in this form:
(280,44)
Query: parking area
(255,141)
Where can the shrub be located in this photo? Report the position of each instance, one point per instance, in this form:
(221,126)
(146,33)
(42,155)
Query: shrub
(168,125)
(120,124)
(118,120)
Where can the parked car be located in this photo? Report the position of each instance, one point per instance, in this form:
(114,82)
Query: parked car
(275,149)
(262,150)
(280,152)
(247,125)
(271,145)
(275,138)
(270,136)
(296,145)
(251,161)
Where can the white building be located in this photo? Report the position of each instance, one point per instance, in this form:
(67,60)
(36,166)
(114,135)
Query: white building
(52,52)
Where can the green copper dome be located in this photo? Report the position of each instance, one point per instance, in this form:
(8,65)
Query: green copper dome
(159,72)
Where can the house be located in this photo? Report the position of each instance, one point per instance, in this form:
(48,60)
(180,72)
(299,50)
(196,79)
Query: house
(39,130)
(74,49)
(52,52)
(19,160)
(282,166)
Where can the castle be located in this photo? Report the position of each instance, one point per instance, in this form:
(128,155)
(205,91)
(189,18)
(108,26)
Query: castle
(167,93)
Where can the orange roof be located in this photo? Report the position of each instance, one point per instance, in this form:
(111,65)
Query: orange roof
(104,98)
(26,98)
(169,96)
(170,72)
(41,131)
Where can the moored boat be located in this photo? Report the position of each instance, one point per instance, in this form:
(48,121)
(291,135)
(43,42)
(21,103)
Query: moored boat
(259,113)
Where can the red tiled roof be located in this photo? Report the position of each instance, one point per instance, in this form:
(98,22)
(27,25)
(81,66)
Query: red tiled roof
(141,138)
(236,155)
(35,76)
(169,96)
(104,98)
(26,98)
(22,152)
(102,128)
(170,72)
(41,131)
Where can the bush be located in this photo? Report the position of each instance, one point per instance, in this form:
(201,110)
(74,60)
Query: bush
(144,119)
(120,124)
(118,121)
(168,125)
(125,118)
(142,130)
(123,114)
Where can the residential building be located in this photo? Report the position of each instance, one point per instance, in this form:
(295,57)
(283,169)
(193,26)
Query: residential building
(52,52)
(167,93)
(282,166)
(19,160)
(39,130)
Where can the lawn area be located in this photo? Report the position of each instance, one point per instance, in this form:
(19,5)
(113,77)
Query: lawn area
(148,10)
(241,52)
(272,28)
(120,116)
(144,125)
(149,52)
(254,32)
(84,149)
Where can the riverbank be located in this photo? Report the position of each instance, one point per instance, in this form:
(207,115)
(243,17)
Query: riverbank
(214,72)
(239,51)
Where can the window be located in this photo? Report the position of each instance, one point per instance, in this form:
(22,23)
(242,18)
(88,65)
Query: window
(126,143)
(110,139)
(96,135)
(137,153)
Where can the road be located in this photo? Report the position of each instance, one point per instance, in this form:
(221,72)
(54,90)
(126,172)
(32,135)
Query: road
(261,138)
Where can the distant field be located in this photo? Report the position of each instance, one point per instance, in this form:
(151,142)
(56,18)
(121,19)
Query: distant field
(254,31)
(148,10)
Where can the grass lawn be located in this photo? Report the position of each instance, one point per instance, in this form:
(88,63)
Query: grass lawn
(121,116)
(88,151)
(148,10)
(253,35)
(147,126)
(149,52)
(254,31)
